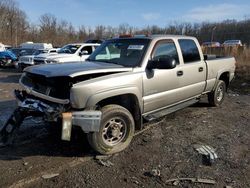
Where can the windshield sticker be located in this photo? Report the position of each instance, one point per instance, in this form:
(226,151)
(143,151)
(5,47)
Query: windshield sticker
(135,47)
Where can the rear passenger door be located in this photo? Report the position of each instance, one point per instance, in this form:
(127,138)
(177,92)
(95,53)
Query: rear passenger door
(192,73)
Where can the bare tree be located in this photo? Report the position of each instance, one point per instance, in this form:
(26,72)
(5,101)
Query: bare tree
(13,22)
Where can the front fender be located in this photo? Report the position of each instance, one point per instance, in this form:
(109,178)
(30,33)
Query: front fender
(94,99)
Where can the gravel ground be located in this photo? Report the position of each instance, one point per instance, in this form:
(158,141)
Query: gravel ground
(163,152)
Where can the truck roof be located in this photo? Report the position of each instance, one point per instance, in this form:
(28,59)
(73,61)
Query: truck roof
(83,44)
(156,37)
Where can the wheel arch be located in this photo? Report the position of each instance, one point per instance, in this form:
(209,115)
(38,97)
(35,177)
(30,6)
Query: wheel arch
(128,101)
(224,76)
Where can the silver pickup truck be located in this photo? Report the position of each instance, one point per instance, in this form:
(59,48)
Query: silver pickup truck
(123,83)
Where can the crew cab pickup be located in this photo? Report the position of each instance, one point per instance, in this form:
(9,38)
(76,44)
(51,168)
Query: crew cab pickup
(125,82)
(69,53)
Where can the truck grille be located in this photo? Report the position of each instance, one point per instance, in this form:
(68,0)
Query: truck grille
(57,87)
(24,59)
(39,61)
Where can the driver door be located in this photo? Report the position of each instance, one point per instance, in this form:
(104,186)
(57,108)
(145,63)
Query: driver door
(85,52)
(160,86)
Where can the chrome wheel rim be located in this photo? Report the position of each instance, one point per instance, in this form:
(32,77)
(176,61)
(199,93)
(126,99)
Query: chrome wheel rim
(220,93)
(114,131)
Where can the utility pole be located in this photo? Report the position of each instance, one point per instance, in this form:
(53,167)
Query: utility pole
(212,35)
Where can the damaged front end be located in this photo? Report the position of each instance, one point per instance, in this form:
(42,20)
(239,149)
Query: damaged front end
(43,97)
(28,105)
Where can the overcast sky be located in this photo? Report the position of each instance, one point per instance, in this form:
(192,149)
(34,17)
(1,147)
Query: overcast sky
(138,13)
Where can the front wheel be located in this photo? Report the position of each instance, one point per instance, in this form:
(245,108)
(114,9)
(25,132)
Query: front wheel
(116,130)
(216,97)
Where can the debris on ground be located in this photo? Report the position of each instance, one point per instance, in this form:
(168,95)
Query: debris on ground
(155,173)
(25,163)
(233,95)
(207,152)
(102,157)
(176,181)
(135,180)
(49,176)
(244,84)
(105,163)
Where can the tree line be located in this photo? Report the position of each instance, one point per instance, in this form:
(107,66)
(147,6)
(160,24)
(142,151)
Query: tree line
(15,29)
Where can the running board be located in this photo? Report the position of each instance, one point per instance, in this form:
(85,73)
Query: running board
(169,110)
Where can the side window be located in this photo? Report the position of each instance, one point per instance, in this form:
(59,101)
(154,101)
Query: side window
(103,54)
(189,50)
(110,52)
(165,49)
(88,49)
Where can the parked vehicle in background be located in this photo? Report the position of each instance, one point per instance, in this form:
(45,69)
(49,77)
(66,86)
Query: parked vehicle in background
(7,58)
(8,47)
(210,44)
(31,45)
(68,53)
(22,51)
(124,82)
(232,43)
(28,60)
(2,47)
(98,41)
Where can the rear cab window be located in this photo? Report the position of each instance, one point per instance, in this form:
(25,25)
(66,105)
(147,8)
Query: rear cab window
(190,51)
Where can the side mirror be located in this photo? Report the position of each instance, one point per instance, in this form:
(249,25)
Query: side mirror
(84,52)
(162,63)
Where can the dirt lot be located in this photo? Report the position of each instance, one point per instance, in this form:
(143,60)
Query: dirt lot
(162,152)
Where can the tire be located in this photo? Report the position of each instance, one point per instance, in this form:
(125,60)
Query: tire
(116,130)
(216,97)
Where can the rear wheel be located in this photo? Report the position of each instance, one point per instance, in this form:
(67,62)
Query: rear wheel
(116,130)
(216,97)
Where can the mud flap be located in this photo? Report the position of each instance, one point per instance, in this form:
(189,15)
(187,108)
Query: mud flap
(10,127)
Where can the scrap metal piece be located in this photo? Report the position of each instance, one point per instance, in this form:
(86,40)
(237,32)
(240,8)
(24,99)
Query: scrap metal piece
(207,152)
(12,124)
(66,126)
(48,176)
(88,120)
(176,181)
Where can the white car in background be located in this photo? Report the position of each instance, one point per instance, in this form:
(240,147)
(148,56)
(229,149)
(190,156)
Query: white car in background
(69,53)
(232,43)
(28,60)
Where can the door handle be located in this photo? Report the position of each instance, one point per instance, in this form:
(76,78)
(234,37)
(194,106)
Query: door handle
(179,73)
(200,69)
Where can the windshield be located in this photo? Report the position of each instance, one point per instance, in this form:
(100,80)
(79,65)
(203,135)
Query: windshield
(37,52)
(69,49)
(125,52)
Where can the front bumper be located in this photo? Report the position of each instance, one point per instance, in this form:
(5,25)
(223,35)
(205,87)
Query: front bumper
(88,120)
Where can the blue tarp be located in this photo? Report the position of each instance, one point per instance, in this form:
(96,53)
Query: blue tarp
(8,55)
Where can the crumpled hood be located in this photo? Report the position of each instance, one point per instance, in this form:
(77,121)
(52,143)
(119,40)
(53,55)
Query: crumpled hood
(76,69)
